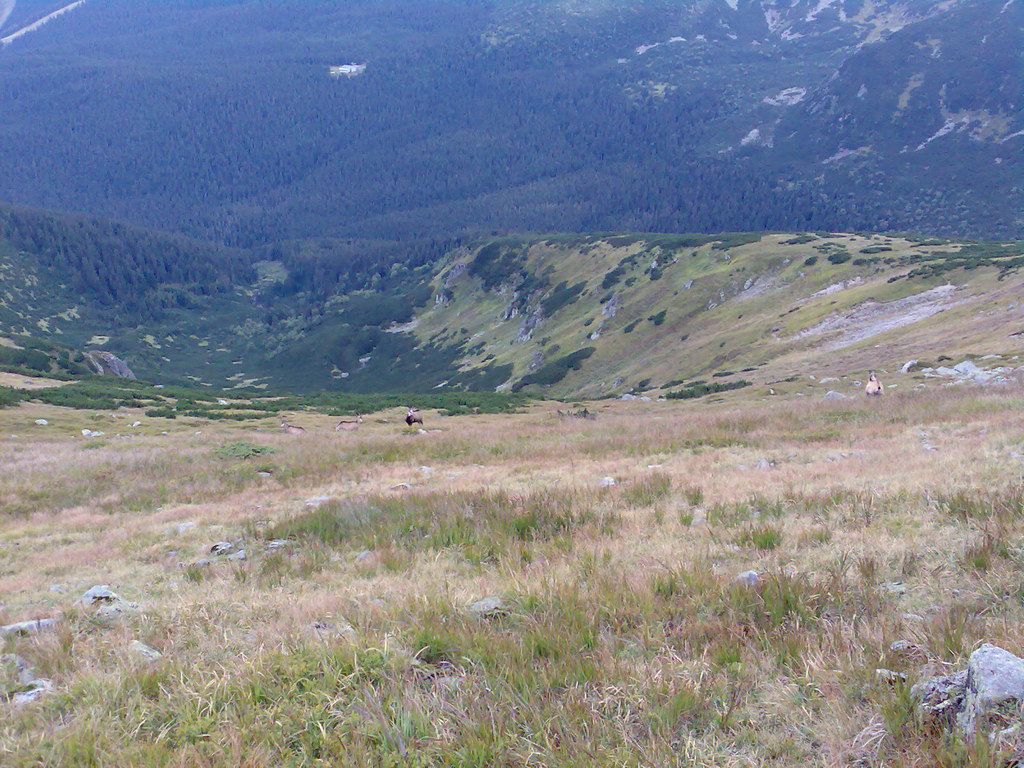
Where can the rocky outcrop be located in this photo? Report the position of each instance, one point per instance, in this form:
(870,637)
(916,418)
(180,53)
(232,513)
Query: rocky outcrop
(986,698)
(107,364)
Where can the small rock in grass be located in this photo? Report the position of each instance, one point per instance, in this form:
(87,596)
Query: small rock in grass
(489,607)
(144,651)
(907,650)
(98,595)
(276,544)
(833,395)
(42,423)
(333,630)
(889,677)
(222,548)
(38,689)
(317,501)
(607,482)
(182,528)
(27,627)
(239,555)
(401,487)
(748,579)
(893,588)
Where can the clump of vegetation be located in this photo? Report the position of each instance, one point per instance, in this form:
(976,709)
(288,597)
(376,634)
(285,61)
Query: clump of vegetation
(243,449)
(700,389)
(555,371)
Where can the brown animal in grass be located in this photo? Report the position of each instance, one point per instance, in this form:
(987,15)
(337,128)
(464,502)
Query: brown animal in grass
(414,417)
(874,387)
(291,429)
(349,425)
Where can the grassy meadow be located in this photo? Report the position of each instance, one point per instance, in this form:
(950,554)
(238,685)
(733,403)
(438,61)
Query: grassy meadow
(351,635)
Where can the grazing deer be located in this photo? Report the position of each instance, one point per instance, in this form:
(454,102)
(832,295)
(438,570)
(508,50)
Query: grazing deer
(291,429)
(414,417)
(874,387)
(349,425)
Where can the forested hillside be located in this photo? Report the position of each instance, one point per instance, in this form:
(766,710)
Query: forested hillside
(224,120)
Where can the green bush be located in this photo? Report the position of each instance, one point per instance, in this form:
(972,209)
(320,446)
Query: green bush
(839,257)
(701,389)
(555,371)
(243,449)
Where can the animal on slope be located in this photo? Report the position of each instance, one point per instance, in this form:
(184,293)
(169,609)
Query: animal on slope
(414,417)
(349,425)
(292,429)
(874,387)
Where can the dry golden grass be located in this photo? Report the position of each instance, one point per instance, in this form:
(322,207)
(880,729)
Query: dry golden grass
(626,640)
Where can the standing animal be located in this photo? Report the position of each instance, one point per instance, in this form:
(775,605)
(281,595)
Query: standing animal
(874,387)
(349,425)
(414,417)
(291,429)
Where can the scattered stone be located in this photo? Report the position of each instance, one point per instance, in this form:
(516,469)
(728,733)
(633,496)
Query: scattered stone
(427,470)
(629,397)
(90,433)
(748,579)
(136,424)
(27,627)
(362,557)
(607,482)
(422,432)
(700,517)
(317,501)
(764,465)
(489,607)
(895,588)
(38,689)
(182,528)
(276,544)
(912,617)
(335,630)
(889,677)
(108,604)
(144,651)
(401,487)
(833,395)
(99,595)
(929,447)
(239,555)
(907,650)
(42,422)
(907,366)
(222,548)
(264,474)
(940,699)
(58,589)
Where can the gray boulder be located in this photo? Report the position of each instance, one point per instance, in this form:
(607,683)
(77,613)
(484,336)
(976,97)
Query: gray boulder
(107,364)
(489,607)
(833,395)
(994,690)
(986,697)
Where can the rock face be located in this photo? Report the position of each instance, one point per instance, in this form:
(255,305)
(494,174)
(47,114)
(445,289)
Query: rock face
(17,682)
(107,364)
(985,697)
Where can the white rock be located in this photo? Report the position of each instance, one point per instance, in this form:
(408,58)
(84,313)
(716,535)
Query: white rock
(99,594)
(317,501)
(182,528)
(607,482)
(39,689)
(833,395)
(907,366)
(748,579)
(42,422)
(143,650)
(239,555)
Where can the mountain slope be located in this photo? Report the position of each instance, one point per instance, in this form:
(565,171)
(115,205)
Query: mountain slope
(587,315)
(601,315)
(522,116)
